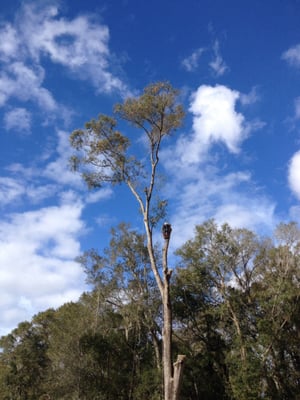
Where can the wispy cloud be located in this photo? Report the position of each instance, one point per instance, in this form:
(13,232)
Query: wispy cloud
(191,62)
(102,194)
(218,65)
(200,192)
(297,108)
(40,34)
(251,97)
(80,44)
(24,83)
(9,45)
(58,169)
(19,190)
(47,178)
(10,190)
(18,119)
(292,56)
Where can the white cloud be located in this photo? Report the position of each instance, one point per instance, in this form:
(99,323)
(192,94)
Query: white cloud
(218,65)
(79,44)
(9,45)
(59,169)
(215,120)
(43,181)
(207,192)
(247,213)
(15,190)
(292,56)
(10,190)
(18,119)
(294,174)
(37,271)
(36,184)
(39,34)
(199,187)
(191,62)
(67,42)
(25,83)
(39,192)
(101,194)
(215,117)
(38,247)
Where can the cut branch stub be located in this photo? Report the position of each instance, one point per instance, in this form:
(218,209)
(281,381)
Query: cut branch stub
(166,230)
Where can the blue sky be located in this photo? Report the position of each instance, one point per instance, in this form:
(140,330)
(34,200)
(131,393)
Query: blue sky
(236,158)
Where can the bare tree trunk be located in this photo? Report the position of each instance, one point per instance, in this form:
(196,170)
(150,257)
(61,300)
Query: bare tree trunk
(172,373)
(167,341)
(156,346)
(177,375)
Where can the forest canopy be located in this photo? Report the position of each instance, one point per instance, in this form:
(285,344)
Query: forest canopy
(236,316)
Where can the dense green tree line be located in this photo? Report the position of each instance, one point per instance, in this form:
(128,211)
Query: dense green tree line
(236,313)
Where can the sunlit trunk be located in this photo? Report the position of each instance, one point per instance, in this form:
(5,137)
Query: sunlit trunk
(172,372)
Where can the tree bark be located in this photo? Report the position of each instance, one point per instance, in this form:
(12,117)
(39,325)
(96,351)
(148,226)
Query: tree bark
(172,372)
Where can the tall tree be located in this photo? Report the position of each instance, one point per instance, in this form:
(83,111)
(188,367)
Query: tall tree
(277,292)
(105,155)
(24,363)
(252,285)
(122,277)
(224,259)
(199,331)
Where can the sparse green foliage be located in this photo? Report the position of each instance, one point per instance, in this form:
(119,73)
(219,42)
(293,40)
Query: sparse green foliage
(103,153)
(155,112)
